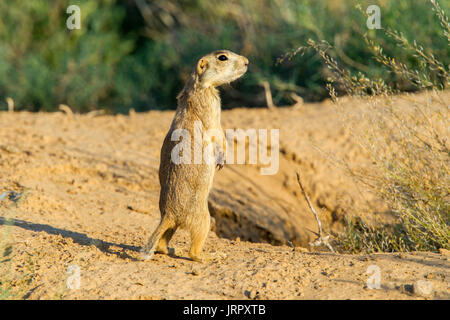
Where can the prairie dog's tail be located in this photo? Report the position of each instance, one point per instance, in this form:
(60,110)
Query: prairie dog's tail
(163,226)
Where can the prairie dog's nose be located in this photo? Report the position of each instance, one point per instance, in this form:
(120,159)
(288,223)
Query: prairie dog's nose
(245,61)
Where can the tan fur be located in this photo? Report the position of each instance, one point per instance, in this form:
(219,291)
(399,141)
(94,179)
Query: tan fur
(185,187)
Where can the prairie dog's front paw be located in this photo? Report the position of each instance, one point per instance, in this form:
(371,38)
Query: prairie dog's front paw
(220,158)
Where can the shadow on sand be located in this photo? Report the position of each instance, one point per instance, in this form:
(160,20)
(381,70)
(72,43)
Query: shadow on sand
(77,237)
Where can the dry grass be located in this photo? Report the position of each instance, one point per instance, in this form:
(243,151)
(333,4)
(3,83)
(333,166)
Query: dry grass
(408,145)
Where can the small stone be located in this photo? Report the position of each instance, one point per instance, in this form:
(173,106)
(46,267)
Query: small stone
(364,259)
(195,272)
(9,149)
(401,256)
(389,286)
(407,288)
(251,293)
(423,288)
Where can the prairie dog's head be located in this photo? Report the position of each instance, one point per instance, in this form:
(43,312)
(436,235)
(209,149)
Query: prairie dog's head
(220,67)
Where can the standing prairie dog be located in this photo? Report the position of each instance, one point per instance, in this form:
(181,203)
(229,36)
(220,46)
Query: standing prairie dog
(185,187)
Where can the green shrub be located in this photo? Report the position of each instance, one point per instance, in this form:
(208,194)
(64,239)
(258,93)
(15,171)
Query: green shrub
(126,56)
(45,64)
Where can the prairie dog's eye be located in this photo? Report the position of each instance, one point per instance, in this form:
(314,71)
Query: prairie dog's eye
(222,57)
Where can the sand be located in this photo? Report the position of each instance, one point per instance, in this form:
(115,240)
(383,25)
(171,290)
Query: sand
(88,201)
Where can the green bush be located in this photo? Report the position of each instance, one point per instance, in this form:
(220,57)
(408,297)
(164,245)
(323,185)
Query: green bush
(128,56)
(44,64)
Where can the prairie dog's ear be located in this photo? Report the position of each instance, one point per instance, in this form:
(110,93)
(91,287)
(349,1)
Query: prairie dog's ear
(201,66)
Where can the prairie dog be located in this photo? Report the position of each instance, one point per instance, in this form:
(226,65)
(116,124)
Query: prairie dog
(185,187)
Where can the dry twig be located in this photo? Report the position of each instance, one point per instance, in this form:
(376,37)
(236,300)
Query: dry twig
(320,238)
(10,103)
(269,99)
(65,108)
(298,101)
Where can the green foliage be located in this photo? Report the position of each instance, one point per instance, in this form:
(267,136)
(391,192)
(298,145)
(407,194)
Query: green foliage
(137,54)
(359,237)
(44,63)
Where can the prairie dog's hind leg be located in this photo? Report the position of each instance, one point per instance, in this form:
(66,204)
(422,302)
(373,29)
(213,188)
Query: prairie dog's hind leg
(165,224)
(163,244)
(199,233)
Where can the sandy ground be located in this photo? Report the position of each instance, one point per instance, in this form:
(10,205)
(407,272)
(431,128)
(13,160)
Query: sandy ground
(88,202)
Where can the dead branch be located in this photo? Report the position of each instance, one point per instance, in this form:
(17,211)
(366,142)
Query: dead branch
(269,99)
(298,101)
(95,113)
(10,103)
(66,109)
(320,238)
